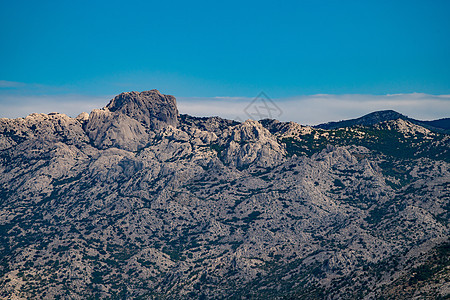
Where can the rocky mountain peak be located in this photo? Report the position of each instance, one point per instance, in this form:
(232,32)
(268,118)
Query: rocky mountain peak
(441,125)
(382,115)
(129,119)
(366,120)
(149,107)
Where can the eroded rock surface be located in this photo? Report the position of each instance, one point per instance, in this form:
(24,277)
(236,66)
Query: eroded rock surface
(129,120)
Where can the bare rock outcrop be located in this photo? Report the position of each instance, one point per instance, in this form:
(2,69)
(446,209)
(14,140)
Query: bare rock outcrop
(130,119)
(151,108)
(249,143)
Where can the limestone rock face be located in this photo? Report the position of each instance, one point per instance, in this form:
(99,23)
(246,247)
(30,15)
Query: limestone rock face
(128,121)
(151,108)
(41,128)
(107,129)
(249,143)
(135,201)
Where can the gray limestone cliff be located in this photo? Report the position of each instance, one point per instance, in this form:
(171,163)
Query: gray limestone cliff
(129,120)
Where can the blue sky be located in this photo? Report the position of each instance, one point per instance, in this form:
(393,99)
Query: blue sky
(227,49)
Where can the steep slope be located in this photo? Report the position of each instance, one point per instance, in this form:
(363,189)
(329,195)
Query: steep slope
(136,201)
(441,123)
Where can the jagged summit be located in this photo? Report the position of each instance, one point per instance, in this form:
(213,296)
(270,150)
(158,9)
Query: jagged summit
(129,119)
(128,97)
(145,106)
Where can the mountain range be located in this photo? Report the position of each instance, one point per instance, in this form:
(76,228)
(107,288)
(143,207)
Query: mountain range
(137,201)
(441,125)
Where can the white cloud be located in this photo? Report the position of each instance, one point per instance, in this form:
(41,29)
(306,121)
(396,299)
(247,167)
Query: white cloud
(10,84)
(315,109)
(312,109)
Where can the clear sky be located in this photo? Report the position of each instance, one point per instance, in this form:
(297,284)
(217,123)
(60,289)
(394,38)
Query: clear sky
(228,49)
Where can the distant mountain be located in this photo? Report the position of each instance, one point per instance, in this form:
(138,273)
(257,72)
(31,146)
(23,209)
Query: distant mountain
(387,115)
(135,201)
(441,123)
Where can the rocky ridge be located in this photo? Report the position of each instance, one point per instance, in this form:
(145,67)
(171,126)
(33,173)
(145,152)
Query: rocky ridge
(135,200)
